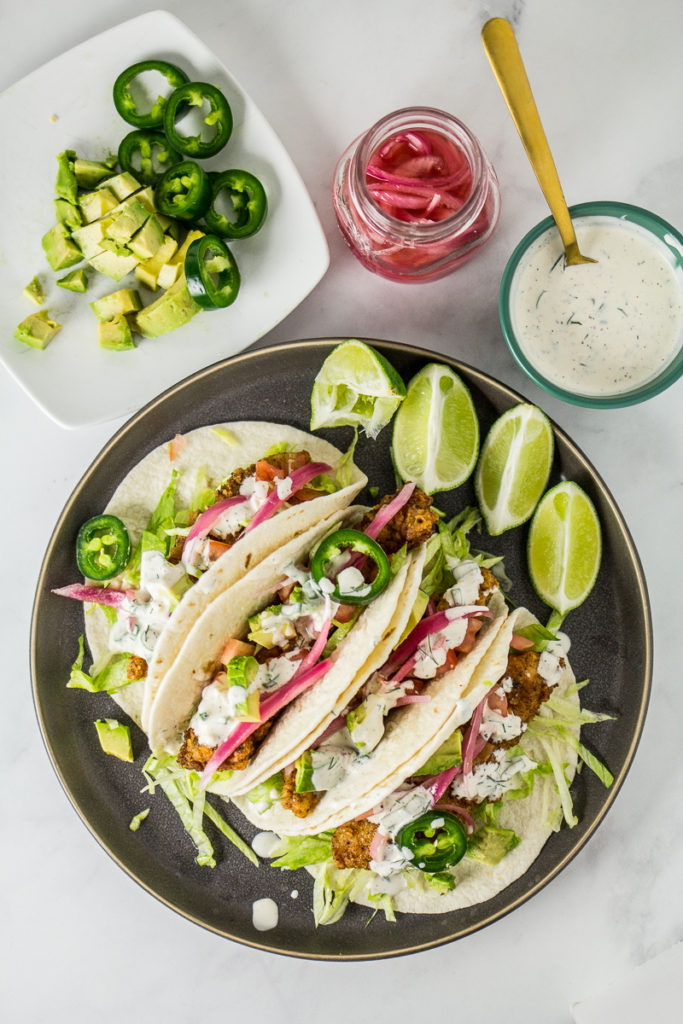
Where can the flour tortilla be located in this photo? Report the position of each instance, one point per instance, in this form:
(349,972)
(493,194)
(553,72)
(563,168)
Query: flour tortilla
(533,819)
(220,454)
(412,735)
(227,616)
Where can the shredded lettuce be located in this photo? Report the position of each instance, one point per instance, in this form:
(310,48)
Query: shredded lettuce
(448,755)
(538,634)
(155,536)
(182,789)
(225,435)
(109,674)
(343,467)
(382,900)
(138,819)
(262,795)
(294,852)
(338,634)
(334,887)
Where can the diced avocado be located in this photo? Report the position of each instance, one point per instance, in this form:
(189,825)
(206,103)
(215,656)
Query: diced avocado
(66,184)
(164,221)
(74,281)
(37,330)
(182,251)
(115,334)
(168,274)
(148,240)
(68,214)
(89,173)
(121,185)
(112,265)
(90,237)
(114,738)
(125,300)
(173,309)
(59,248)
(96,204)
(303,782)
(240,674)
(34,292)
(446,756)
(490,844)
(131,219)
(118,248)
(146,197)
(148,270)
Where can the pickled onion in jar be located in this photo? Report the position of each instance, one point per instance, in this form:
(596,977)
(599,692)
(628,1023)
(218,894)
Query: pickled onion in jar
(419,177)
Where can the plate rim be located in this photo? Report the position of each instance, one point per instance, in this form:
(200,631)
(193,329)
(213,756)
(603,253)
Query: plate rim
(643,598)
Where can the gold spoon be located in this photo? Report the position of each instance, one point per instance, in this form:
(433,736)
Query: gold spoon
(506,60)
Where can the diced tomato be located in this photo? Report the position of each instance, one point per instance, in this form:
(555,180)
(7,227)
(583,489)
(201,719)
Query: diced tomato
(176,446)
(520,643)
(344,613)
(215,548)
(498,702)
(235,648)
(303,494)
(281,465)
(473,627)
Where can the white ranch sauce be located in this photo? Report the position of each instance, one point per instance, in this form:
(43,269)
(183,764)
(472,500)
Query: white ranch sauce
(601,328)
(264,914)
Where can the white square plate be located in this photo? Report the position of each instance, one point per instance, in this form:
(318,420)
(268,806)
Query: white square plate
(74,380)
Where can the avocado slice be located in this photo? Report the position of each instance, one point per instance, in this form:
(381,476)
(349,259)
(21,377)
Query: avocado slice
(34,291)
(59,248)
(37,330)
(96,204)
(148,271)
(68,214)
(131,219)
(74,281)
(89,173)
(66,184)
(112,264)
(303,782)
(148,240)
(90,237)
(168,274)
(114,738)
(115,334)
(125,300)
(173,309)
(122,185)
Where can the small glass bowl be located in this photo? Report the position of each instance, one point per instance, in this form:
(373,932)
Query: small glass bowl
(668,236)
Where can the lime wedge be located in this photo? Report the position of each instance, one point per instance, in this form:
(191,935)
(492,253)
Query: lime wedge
(356,387)
(514,467)
(436,431)
(565,546)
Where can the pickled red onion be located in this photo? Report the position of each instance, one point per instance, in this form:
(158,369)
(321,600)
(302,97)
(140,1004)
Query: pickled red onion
(268,707)
(204,524)
(299,477)
(389,511)
(98,595)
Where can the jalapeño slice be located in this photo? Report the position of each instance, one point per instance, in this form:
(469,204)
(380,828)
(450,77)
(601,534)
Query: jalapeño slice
(213,277)
(127,105)
(219,117)
(434,847)
(102,547)
(183,192)
(147,155)
(351,540)
(249,203)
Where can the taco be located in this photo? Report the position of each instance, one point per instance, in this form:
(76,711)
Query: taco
(450,613)
(300,631)
(201,511)
(461,818)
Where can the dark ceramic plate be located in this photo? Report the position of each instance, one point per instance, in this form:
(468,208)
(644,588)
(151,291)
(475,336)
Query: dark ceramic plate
(611,643)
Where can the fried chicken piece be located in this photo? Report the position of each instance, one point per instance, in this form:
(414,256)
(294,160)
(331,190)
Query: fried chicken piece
(529,690)
(300,804)
(412,525)
(137,668)
(487,586)
(230,488)
(351,844)
(195,755)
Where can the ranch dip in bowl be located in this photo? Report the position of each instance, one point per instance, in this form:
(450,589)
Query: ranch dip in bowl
(603,334)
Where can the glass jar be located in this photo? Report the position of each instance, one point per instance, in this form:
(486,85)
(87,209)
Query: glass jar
(413,242)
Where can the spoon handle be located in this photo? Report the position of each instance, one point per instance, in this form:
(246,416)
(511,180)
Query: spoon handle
(506,60)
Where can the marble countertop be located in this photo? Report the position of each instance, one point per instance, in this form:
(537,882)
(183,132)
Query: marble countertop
(78,937)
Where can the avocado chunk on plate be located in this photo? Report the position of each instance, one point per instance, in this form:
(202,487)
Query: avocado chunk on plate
(37,330)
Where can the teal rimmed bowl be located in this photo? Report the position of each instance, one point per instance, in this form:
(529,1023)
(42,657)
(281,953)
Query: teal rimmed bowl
(668,236)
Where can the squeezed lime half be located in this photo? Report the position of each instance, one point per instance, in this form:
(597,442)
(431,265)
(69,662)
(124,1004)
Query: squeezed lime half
(357,387)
